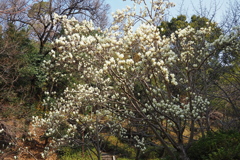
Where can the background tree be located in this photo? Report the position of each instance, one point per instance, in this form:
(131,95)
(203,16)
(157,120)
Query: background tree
(39,17)
(231,17)
(17,57)
(197,22)
(208,11)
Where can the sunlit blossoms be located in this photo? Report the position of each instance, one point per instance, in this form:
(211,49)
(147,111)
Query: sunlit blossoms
(121,74)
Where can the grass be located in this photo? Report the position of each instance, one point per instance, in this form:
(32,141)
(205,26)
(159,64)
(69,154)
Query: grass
(113,145)
(76,154)
(123,149)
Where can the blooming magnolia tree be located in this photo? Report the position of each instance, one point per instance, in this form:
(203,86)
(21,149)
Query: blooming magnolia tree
(122,74)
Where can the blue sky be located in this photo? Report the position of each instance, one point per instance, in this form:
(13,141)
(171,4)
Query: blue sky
(187,7)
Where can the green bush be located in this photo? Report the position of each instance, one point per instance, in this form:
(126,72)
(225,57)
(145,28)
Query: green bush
(153,152)
(217,146)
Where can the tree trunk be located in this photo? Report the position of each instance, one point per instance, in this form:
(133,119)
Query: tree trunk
(182,153)
(138,154)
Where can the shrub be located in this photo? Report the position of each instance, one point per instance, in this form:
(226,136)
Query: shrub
(216,146)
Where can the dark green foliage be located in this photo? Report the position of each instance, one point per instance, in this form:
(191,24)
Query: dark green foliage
(196,22)
(18,69)
(176,23)
(217,146)
(153,152)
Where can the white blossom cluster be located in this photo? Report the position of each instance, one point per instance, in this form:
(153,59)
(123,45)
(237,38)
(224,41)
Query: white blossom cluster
(123,74)
(230,42)
(142,11)
(1,130)
(177,109)
(140,143)
(75,112)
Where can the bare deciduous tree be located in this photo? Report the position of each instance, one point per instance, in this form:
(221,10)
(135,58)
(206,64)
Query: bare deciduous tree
(38,15)
(231,17)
